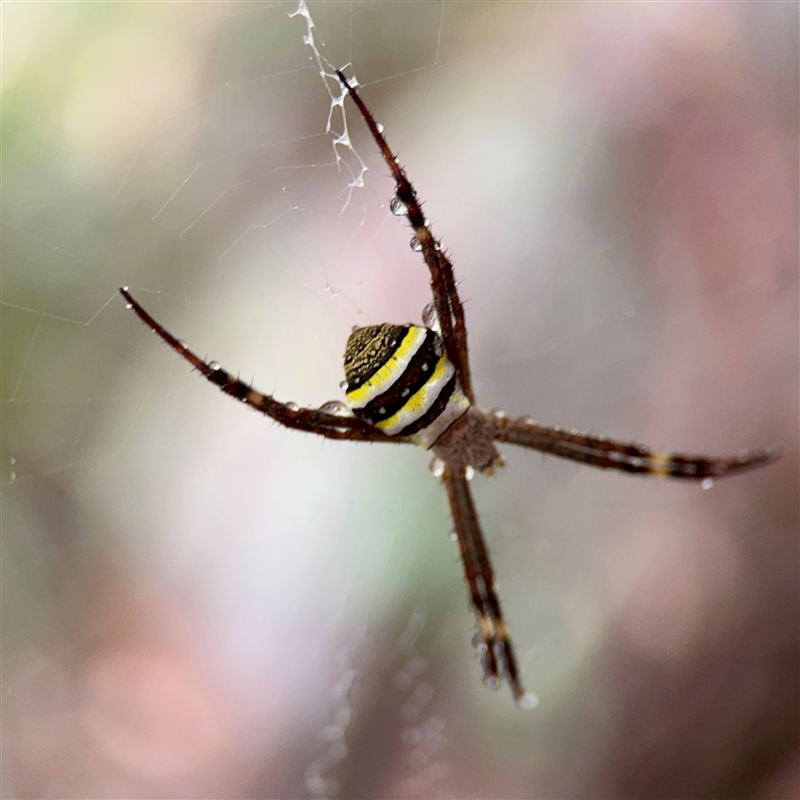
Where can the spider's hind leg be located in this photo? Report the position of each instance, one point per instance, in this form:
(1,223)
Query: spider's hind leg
(499,660)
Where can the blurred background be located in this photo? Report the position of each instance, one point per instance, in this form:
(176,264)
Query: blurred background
(198,603)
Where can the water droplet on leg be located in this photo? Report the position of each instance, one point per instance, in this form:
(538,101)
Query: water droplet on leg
(491,682)
(430,318)
(398,207)
(336,407)
(436,466)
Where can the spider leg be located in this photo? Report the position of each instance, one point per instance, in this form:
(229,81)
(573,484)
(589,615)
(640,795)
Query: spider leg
(610,454)
(331,426)
(480,578)
(448,305)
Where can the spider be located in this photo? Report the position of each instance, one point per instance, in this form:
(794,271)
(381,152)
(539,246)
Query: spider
(412,384)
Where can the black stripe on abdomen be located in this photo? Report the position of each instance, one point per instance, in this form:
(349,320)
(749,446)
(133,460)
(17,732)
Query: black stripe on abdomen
(414,377)
(434,411)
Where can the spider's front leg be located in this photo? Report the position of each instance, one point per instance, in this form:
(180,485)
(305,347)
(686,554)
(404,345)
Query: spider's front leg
(448,305)
(598,451)
(328,423)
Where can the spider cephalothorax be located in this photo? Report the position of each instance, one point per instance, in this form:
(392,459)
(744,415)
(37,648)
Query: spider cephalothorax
(407,383)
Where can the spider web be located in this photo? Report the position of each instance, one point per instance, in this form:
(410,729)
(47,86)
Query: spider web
(219,606)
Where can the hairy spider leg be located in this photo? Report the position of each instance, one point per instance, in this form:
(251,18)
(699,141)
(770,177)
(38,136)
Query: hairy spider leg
(331,426)
(598,451)
(480,578)
(448,305)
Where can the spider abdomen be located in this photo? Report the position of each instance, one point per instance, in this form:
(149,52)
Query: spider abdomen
(400,380)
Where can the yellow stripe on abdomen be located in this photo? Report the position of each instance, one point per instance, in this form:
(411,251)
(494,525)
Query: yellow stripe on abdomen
(419,403)
(391,371)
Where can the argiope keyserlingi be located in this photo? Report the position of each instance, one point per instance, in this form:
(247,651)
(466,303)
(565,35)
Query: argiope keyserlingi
(412,384)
